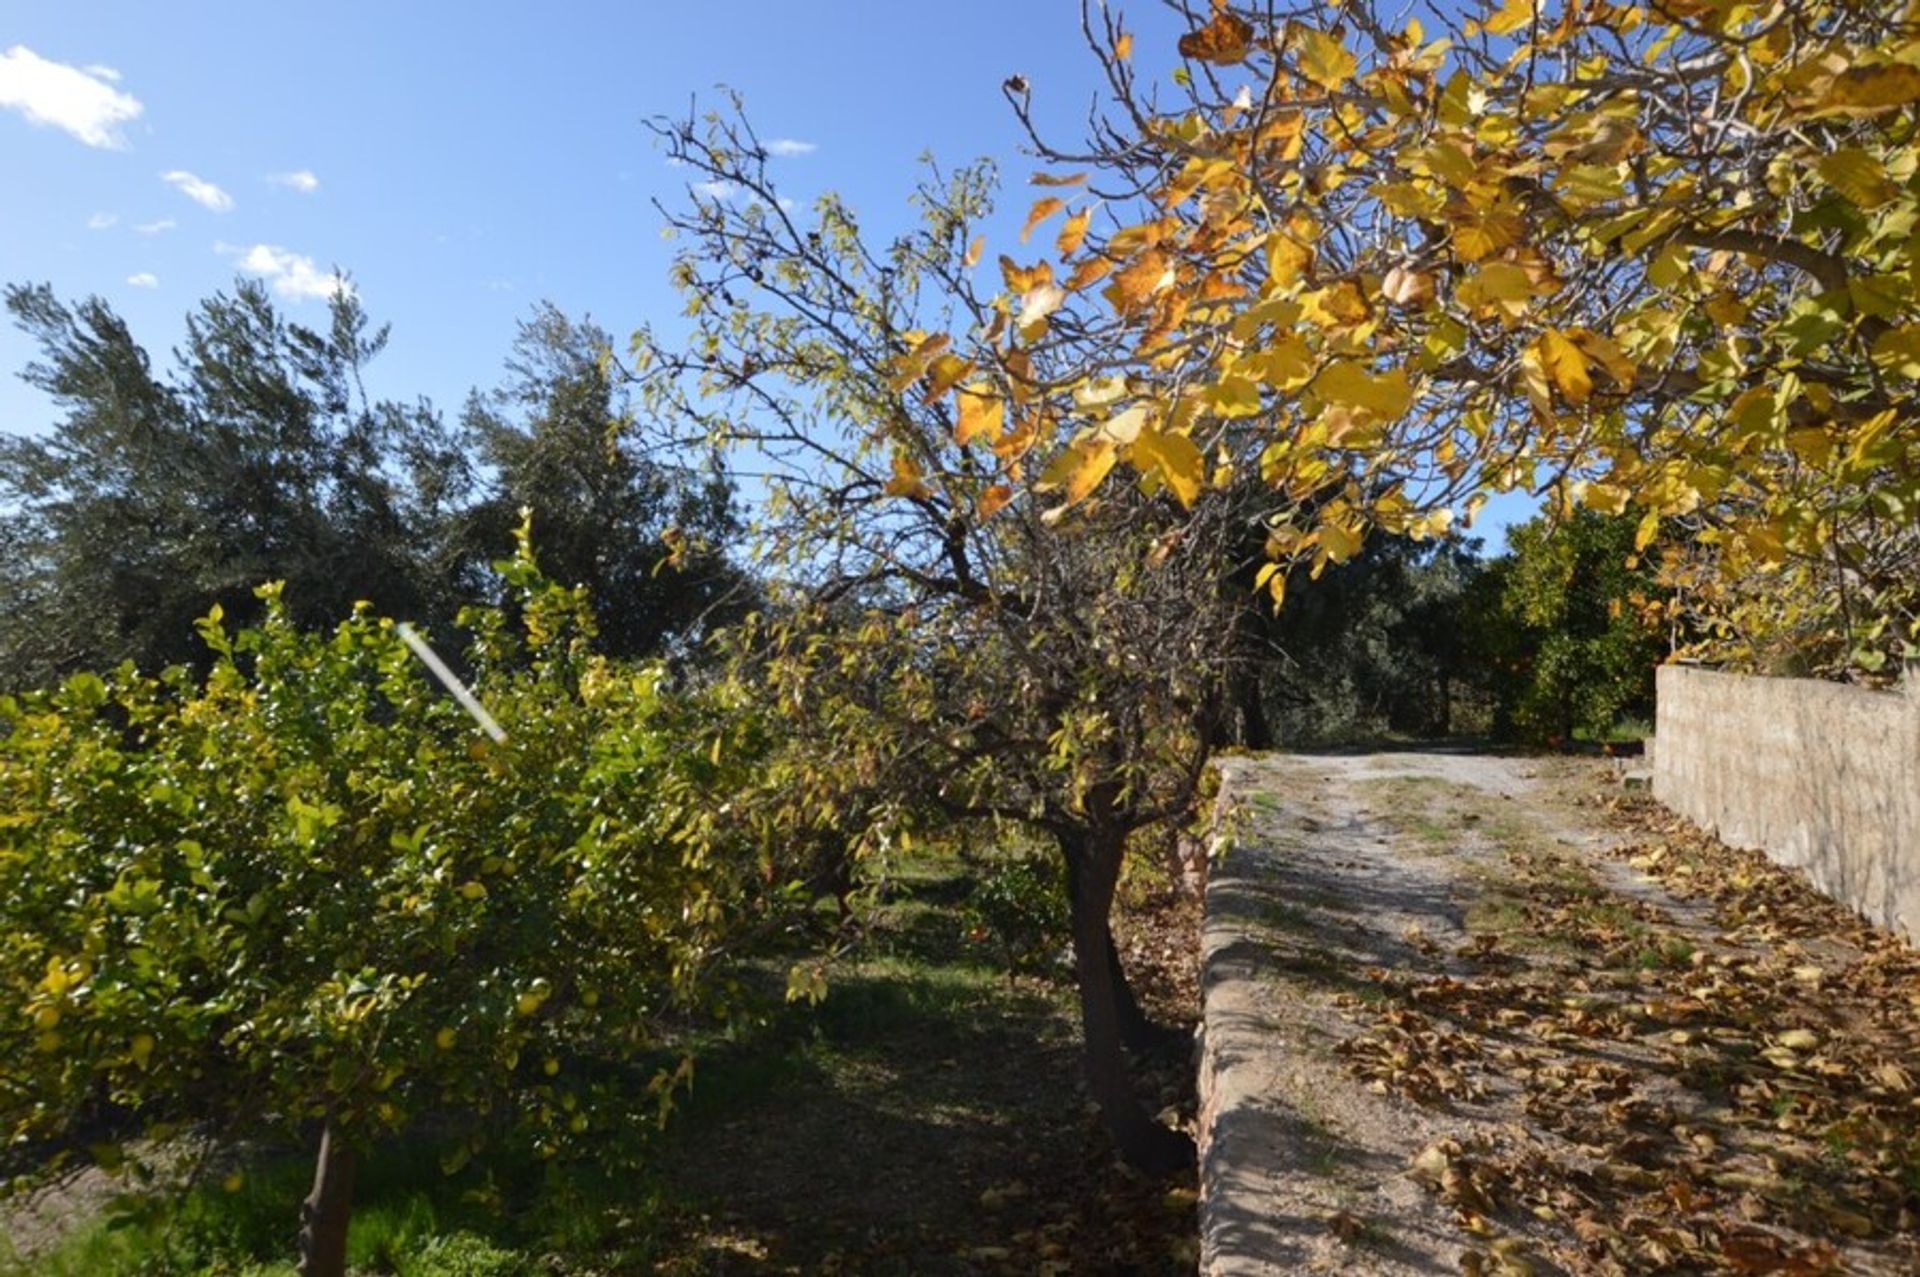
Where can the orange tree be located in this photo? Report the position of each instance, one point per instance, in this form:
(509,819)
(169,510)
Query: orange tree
(307,897)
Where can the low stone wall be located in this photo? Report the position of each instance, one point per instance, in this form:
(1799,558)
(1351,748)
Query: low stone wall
(1821,776)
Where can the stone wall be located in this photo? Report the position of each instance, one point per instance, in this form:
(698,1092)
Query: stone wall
(1821,776)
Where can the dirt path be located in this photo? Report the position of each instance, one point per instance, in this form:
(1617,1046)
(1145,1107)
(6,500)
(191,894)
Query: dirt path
(1465,1011)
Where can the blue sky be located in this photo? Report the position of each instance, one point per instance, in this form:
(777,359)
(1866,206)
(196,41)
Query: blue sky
(464,162)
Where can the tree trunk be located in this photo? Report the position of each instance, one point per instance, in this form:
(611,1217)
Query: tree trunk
(1138,1033)
(1093,867)
(1254,731)
(325,1212)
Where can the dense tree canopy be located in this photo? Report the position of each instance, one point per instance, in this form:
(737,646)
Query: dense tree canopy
(261,457)
(308,896)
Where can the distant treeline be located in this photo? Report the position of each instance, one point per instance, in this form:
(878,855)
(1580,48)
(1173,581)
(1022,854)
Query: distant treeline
(1556,638)
(259,455)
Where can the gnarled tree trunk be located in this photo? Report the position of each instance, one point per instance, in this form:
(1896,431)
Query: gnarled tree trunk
(1093,869)
(325,1212)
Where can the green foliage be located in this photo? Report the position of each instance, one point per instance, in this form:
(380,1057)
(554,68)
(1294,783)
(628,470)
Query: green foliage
(1019,906)
(1370,646)
(1569,621)
(308,889)
(260,457)
(557,438)
(156,497)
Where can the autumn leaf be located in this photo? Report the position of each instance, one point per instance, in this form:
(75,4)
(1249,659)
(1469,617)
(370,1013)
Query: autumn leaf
(1227,39)
(1871,90)
(907,481)
(1340,541)
(1564,363)
(1385,395)
(1123,46)
(1859,175)
(1176,459)
(981,414)
(1078,469)
(1020,279)
(973,251)
(1057,179)
(1135,284)
(1074,231)
(1125,426)
(1323,59)
(944,373)
(1405,287)
(1040,302)
(993,499)
(1041,211)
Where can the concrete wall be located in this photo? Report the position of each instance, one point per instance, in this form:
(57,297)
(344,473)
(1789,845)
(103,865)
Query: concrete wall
(1821,776)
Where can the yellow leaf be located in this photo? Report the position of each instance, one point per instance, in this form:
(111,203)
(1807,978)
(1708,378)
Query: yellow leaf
(1099,392)
(1285,364)
(1607,353)
(141,1049)
(982,414)
(1288,257)
(1232,397)
(1323,59)
(944,373)
(1386,395)
(1042,209)
(1502,287)
(1859,175)
(1078,468)
(1509,17)
(445,1039)
(1176,459)
(973,250)
(1871,90)
(1020,278)
(1339,541)
(1123,45)
(1074,231)
(1607,498)
(906,482)
(1534,377)
(991,500)
(1566,365)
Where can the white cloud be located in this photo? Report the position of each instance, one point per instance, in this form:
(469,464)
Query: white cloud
(291,274)
(101,71)
(790,146)
(81,101)
(102,221)
(199,190)
(155,228)
(301,180)
(715,190)
(144,279)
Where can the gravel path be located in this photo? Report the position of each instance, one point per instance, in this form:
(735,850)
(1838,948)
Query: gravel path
(1364,1108)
